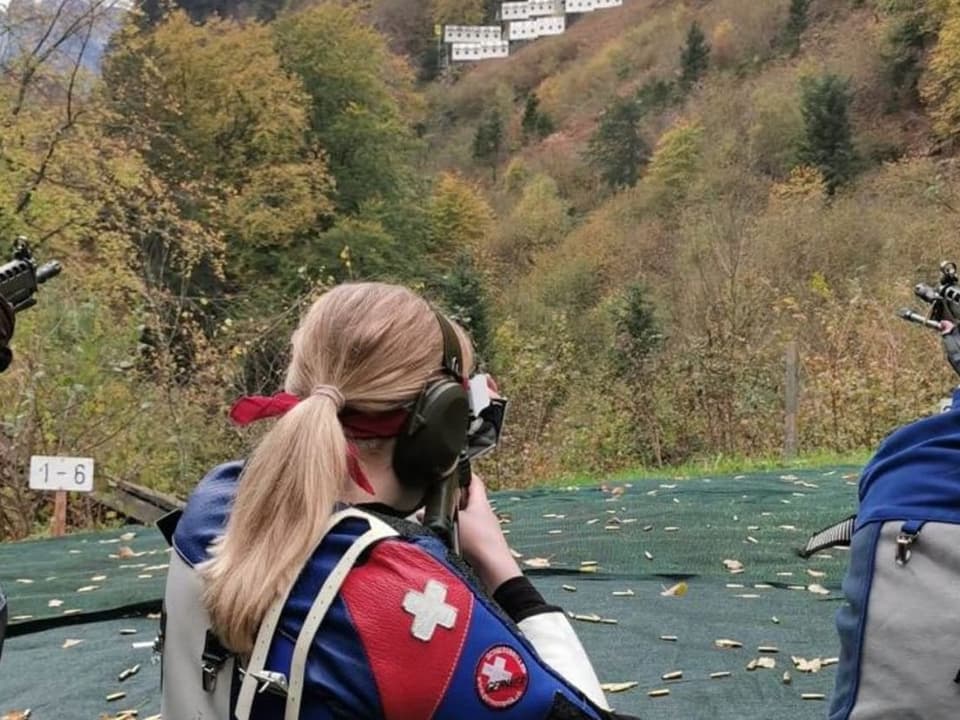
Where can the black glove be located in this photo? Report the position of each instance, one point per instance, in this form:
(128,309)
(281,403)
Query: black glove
(7,323)
(950,337)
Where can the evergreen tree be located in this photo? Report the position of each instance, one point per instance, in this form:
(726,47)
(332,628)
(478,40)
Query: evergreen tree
(616,148)
(535,123)
(695,56)
(828,137)
(466,301)
(638,333)
(796,24)
(487,141)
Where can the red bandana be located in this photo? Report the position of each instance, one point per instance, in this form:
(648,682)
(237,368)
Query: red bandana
(356,425)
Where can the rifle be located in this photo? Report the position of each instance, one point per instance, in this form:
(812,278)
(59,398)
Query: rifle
(21,276)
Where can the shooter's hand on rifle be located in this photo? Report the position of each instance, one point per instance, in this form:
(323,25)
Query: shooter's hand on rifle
(482,541)
(8,322)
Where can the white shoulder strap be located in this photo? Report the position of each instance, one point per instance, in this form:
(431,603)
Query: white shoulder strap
(258,658)
(298,666)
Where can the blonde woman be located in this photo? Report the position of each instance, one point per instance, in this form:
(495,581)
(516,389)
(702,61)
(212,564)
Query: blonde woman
(296,588)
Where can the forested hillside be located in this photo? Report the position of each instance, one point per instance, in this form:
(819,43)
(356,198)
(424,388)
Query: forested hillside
(633,218)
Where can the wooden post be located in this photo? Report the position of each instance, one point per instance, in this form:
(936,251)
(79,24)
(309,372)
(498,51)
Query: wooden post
(60,513)
(792,401)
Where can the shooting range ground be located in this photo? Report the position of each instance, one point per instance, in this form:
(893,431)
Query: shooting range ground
(602,554)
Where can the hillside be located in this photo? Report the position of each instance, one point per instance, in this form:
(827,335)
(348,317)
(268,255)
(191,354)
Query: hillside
(650,318)
(633,218)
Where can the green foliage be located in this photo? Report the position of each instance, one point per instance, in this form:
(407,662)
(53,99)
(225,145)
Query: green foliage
(465,298)
(537,222)
(656,95)
(535,123)
(617,149)
(638,333)
(695,56)
(907,40)
(828,136)
(675,161)
(796,24)
(361,99)
(488,140)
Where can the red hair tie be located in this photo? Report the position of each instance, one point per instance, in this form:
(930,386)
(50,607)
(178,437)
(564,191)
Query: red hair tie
(356,425)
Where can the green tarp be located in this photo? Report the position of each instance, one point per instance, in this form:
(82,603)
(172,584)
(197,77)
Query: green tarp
(643,537)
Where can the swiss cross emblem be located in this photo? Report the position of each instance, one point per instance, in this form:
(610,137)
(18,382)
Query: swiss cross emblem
(501,677)
(429,609)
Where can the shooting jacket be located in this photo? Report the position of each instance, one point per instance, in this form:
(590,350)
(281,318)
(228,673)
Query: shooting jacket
(381,624)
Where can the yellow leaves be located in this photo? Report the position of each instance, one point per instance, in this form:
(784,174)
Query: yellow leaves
(723,43)
(940,86)
(280,201)
(675,160)
(460,216)
(804,183)
(457,12)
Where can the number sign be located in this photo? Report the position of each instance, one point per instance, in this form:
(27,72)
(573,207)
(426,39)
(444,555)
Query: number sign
(61,473)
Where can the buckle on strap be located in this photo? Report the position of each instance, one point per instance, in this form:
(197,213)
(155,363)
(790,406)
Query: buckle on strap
(213,658)
(269,681)
(909,532)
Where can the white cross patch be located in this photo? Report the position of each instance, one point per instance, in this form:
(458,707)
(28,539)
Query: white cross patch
(496,673)
(429,609)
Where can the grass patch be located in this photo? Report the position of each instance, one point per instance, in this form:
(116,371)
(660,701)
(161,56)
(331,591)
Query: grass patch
(719,465)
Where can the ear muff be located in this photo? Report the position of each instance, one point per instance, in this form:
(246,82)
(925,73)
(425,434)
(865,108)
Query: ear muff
(435,434)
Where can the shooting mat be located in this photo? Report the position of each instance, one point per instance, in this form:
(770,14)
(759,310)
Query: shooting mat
(602,554)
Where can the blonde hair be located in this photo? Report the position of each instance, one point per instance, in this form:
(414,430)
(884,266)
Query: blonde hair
(378,345)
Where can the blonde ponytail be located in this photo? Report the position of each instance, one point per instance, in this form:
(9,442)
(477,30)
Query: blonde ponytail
(371,345)
(291,482)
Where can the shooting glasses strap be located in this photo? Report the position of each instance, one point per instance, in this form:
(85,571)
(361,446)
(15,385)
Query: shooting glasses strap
(378,531)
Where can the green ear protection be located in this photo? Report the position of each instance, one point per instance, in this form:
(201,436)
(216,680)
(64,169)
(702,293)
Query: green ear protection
(435,434)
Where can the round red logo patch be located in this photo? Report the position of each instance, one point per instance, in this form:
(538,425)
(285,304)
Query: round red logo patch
(501,677)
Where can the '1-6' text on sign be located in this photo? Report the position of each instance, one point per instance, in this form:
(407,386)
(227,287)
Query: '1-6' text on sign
(61,473)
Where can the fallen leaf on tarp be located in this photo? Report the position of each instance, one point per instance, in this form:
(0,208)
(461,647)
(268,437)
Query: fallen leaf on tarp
(618,687)
(537,563)
(129,672)
(70,642)
(678,590)
(594,618)
(807,666)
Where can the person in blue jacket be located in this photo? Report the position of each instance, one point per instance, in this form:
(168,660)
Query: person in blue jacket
(297,588)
